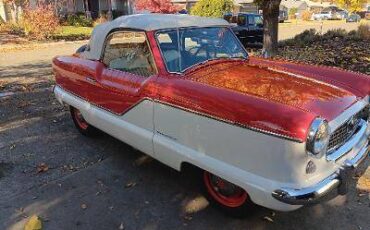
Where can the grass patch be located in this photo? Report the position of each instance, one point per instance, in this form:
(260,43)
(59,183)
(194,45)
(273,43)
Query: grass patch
(72,33)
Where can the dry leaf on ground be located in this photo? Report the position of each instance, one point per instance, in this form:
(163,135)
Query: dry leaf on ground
(42,168)
(34,223)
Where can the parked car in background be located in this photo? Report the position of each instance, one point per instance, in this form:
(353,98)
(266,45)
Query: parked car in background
(325,15)
(353,18)
(342,14)
(283,16)
(248,27)
(183,90)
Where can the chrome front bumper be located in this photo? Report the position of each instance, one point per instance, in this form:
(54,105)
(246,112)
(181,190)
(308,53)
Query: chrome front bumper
(358,147)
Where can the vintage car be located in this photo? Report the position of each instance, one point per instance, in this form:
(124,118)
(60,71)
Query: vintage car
(183,90)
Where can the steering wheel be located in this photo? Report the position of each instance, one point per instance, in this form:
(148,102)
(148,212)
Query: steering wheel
(202,47)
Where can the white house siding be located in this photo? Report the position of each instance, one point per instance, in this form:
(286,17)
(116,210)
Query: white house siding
(2,12)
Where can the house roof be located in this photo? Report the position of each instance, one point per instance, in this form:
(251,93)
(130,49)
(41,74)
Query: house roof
(146,22)
(293,3)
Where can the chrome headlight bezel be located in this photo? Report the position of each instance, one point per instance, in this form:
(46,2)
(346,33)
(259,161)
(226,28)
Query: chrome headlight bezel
(318,138)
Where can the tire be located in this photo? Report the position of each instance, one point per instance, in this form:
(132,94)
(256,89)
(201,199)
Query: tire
(82,126)
(229,198)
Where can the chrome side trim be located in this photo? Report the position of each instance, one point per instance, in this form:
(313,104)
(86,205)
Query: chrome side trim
(358,139)
(57,87)
(231,122)
(348,113)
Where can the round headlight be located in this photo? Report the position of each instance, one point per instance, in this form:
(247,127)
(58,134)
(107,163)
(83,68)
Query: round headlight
(318,138)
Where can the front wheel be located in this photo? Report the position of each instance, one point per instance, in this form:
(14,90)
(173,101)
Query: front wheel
(227,196)
(81,124)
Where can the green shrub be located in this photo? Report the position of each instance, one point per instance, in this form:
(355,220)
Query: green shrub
(364,31)
(11,28)
(335,33)
(292,12)
(78,20)
(212,8)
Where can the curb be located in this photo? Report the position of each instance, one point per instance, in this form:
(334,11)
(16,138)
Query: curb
(34,45)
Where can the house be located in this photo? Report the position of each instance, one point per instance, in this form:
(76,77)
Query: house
(92,8)
(299,5)
(95,8)
(247,6)
(239,5)
(318,6)
(185,4)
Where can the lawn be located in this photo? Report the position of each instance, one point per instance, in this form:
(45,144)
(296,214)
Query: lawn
(73,33)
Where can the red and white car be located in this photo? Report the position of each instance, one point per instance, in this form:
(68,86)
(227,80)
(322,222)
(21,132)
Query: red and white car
(183,90)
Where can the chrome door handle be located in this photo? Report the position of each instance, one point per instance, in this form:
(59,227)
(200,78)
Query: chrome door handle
(90,79)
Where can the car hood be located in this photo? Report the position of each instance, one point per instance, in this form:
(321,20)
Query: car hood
(282,87)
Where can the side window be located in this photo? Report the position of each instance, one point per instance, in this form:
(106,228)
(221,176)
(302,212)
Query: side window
(168,42)
(251,20)
(241,20)
(129,52)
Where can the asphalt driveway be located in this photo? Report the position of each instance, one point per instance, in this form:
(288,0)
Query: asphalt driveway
(72,182)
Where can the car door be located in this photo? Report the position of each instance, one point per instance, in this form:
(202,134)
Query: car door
(255,30)
(121,87)
(241,30)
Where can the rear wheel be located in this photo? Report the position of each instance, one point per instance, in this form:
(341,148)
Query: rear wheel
(81,124)
(227,196)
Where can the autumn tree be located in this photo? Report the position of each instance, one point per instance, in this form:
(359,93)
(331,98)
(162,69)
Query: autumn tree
(212,8)
(270,9)
(15,7)
(156,6)
(351,5)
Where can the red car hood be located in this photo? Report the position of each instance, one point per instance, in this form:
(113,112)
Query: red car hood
(296,90)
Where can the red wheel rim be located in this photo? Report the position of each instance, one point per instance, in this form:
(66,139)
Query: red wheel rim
(224,192)
(80,119)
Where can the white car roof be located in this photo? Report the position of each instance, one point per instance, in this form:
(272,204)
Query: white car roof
(146,22)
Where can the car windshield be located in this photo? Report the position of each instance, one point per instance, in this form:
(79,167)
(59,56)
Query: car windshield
(188,47)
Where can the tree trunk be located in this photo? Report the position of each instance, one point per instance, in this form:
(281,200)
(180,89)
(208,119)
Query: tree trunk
(271,24)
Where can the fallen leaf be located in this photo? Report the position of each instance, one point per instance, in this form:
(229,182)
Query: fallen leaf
(268,219)
(121,226)
(42,168)
(130,184)
(187,217)
(143,160)
(34,223)
(83,206)
(12,146)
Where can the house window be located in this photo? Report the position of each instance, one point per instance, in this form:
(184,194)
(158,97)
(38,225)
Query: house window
(129,52)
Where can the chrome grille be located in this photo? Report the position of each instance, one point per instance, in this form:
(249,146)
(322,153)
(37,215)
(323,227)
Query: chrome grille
(342,134)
